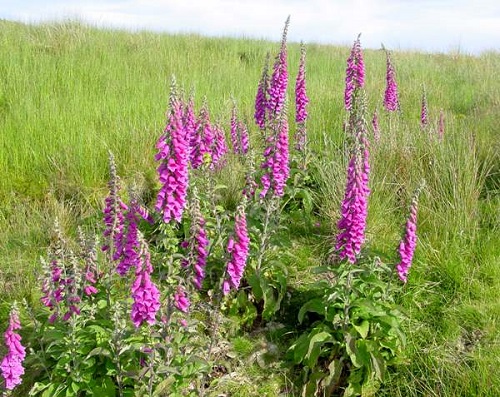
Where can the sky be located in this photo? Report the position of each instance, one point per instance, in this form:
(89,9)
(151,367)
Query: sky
(469,27)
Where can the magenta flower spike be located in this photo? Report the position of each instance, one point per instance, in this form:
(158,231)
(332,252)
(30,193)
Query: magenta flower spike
(173,155)
(219,149)
(130,256)
(198,243)
(280,166)
(424,119)
(391,101)
(181,300)
(193,138)
(409,242)
(301,98)
(91,271)
(301,101)
(145,294)
(11,366)
(239,133)
(238,248)
(354,208)
(130,253)
(352,223)
(52,286)
(279,79)
(114,214)
(355,73)
(276,159)
(207,131)
(244,138)
(261,97)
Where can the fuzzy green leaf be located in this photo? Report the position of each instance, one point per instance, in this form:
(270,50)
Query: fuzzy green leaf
(314,305)
(315,344)
(362,328)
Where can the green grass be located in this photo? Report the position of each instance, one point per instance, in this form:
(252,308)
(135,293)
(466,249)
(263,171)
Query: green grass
(69,93)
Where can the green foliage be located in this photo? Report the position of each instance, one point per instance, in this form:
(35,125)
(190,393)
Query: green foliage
(66,97)
(356,334)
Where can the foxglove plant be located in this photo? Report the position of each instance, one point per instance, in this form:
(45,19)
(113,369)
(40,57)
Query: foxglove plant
(276,156)
(280,166)
(409,242)
(276,160)
(355,73)
(173,155)
(198,242)
(194,139)
(301,101)
(239,133)
(62,279)
(130,252)
(206,132)
(278,83)
(145,294)
(250,184)
(219,149)
(181,300)
(261,97)
(354,209)
(238,247)
(391,101)
(88,253)
(11,366)
(424,120)
(52,287)
(244,139)
(114,214)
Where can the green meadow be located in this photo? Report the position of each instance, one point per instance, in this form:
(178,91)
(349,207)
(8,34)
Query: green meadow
(69,93)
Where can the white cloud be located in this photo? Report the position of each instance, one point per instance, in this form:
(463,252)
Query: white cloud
(433,25)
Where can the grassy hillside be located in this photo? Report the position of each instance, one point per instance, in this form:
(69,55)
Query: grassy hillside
(69,93)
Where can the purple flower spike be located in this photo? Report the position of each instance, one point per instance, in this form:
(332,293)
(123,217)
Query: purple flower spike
(198,243)
(279,79)
(239,133)
(181,300)
(191,134)
(301,101)
(276,160)
(409,242)
(281,168)
(145,293)
(130,253)
(244,139)
(355,73)
(219,148)
(261,97)
(113,214)
(91,272)
(354,208)
(238,248)
(391,101)
(11,366)
(173,155)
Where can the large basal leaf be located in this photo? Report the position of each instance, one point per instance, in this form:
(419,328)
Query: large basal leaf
(314,305)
